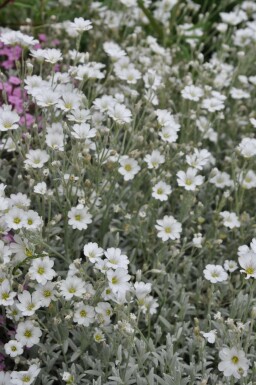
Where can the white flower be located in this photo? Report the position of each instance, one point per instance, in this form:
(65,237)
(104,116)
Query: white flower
(41,270)
(104,312)
(116,259)
(20,200)
(253,245)
(168,228)
(113,50)
(83,314)
(6,295)
(213,104)
(79,217)
(47,99)
(40,188)
(55,141)
(161,191)
(129,167)
(210,336)
(233,18)
(215,273)
(68,377)
(37,54)
(154,159)
(45,293)
(93,252)
(197,240)
(28,303)
(118,280)
(36,158)
(192,93)
(4,203)
(120,114)
(79,116)
(32,221)
(253,122)
(221,179)
(21,248)
(169,134)
(8,144)
(247,147)
(5,252)
(152,80)
(70,101)
(189,179)
(130,74)
(83,131)
(2,188)
(8,120)
(142,290)
(15,218)
(238,94)
(248,264)
(150,305)
(72,286)
(199,159)
(230,266)
(80,25)
(17,38)
(99,336)
(230,219)
(248,180)
(52,55)
(28,334)
(25,377)
(233,362)
(13,313)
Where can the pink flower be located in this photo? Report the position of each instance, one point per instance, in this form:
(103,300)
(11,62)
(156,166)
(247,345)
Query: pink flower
(14,80)
(42,37)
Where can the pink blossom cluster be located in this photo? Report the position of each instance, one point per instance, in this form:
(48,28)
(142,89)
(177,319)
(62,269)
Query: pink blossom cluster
(10,54)
(13,90)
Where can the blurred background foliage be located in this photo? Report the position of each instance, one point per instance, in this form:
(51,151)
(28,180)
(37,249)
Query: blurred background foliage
(16,13)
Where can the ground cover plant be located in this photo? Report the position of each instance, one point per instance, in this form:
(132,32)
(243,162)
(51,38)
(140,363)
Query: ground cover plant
(127,192)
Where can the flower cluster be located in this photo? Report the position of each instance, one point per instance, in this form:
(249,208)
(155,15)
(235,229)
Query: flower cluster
(127,177)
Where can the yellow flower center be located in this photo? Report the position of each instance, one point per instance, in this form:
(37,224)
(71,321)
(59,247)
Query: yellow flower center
(28,334)
(72,290)
(78,217)
(17,220)
(83,313)
(168,230)
(235,359)
(5,296)
(114,280)
(128,167)
(28,253)
(250,270)
(30,222)
(188,182)
(41,270)
(98,337)
(47,293)
(159,191)
(13,348)
(7,124)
